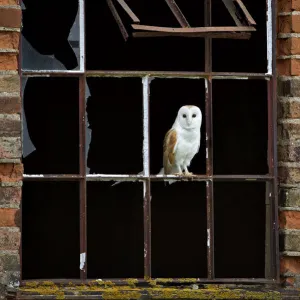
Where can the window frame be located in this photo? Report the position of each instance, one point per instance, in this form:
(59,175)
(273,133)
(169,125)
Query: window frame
(146,178)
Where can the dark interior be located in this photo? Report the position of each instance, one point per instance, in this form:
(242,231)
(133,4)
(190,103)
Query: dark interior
(179,230)
(240,127)
(50,240)
(239,229)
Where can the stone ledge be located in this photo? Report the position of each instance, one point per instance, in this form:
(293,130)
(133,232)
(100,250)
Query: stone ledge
(107,290)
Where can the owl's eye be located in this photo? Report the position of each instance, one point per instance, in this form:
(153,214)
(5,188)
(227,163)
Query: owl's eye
(194,115)
(184,115)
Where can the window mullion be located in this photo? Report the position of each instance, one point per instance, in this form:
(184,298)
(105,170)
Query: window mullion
(146,164)
(82,163)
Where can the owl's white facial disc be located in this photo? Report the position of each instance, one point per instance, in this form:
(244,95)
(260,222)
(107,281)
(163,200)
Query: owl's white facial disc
(189,117)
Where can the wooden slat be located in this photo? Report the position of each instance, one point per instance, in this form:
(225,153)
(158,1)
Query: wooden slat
(193,30)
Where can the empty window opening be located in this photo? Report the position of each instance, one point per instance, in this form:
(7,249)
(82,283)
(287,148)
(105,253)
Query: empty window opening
(115,124)
(50,35)
(50,230)
(115,232)
(240,226)
(240,123)
(51,119)
(179,247)
(240,55)
(110,52)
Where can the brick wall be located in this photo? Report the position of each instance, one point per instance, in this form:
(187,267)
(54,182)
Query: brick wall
(10,145)
(288,68)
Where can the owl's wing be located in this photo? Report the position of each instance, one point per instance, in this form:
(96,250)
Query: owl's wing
(170,143)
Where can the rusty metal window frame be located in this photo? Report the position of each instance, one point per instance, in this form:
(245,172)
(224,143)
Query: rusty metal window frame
(270,179)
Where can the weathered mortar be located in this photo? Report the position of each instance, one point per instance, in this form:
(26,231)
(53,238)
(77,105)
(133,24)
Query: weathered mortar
(288,49)
(10,145)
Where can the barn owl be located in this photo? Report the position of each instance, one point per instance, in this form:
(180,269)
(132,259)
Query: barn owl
(181,142)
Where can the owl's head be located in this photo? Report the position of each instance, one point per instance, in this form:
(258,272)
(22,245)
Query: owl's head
(189,117)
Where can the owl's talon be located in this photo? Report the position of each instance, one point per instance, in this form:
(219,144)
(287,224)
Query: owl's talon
(178,174)
(189,174)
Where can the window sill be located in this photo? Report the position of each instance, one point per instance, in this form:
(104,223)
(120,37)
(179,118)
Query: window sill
(49,290)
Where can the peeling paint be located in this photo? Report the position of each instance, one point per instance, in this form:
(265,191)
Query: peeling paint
(82,260)
(81,35)
(146,95)
(269,36)
(208,238)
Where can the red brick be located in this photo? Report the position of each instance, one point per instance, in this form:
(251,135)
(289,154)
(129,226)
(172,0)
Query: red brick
(10,17)
(9,217)
(284,24)
(283,46)
(9,40)
(9,239)
(288,5)
(284,5)
(10,105)
(11,172)
(289,24)
(289,219)
(9,2)
(284,67)
(288,67)
(288,46)
(290,264)
(295,23)
(8,61)
(295,67)
(295,4)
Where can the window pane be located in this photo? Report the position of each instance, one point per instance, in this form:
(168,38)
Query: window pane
(115,121)
(50,230)
(239,229)
(109,50)
(240,126)
(50,125)
(115,230)
(178,231)
(50,35)
(240,55)
(167,96)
